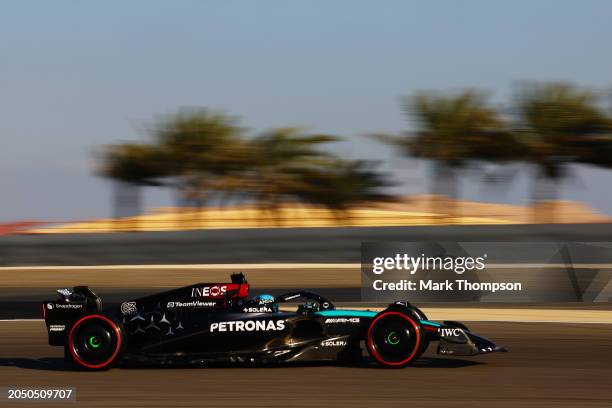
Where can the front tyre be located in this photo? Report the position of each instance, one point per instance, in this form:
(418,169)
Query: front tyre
(395,339)
(95,342)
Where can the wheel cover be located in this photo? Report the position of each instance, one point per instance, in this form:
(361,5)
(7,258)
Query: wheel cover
(393,338)
(94,341)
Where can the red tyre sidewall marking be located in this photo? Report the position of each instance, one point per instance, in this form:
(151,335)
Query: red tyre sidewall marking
(373,349)
(113,326)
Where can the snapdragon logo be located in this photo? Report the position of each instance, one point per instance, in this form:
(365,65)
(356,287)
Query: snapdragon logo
(411,264)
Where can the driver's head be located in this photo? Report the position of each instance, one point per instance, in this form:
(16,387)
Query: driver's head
(308,307)
(311,306)
(266,300)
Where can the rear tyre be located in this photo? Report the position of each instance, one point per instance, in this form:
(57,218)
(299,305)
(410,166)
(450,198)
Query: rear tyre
(95,342)
(395,339)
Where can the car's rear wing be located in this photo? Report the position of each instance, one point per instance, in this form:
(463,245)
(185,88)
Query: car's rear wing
(60,314)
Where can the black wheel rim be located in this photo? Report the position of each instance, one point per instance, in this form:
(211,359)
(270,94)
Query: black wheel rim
(94,342)
(393,339)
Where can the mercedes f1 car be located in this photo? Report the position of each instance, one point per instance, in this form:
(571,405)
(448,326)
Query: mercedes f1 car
(217,322)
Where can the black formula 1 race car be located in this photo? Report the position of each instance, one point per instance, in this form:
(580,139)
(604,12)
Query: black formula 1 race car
(218,323)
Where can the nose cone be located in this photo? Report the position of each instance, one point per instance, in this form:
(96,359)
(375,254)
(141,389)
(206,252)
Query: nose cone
(462,342)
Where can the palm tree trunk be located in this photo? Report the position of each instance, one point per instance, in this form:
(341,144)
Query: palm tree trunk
(544,196)
(180,194)
(200,215)
(444,191)
(127,202)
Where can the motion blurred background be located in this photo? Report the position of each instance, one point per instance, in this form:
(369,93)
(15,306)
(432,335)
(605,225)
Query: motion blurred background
(248,133)
(303,114)
(151,144)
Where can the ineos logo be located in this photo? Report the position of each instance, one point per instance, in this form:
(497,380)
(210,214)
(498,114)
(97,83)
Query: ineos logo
(209,291)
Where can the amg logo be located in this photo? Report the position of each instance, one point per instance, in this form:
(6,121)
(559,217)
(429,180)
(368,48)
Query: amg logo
(249,326)
(450,332)
(342,320)
(209,291)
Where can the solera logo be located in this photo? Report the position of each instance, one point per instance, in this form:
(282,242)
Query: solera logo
(450,332)
(333,343)
(209,291)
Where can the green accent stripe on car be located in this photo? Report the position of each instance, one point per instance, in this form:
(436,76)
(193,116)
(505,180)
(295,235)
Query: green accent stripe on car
(363,313)
(347,313)
(430,323)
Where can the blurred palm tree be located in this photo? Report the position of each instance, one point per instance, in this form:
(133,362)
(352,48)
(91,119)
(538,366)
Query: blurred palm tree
(454,131)
(343,184)
(281,159)
(202,154)
(202,150)
(599,152)
(132,166)
(561,125)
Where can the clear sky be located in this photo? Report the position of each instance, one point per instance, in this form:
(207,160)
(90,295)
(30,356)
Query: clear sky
(75,75)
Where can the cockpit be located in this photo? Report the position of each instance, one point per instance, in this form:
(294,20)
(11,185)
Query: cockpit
(307,302)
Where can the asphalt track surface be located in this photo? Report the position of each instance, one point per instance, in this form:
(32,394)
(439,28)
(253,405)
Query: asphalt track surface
(549,365)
